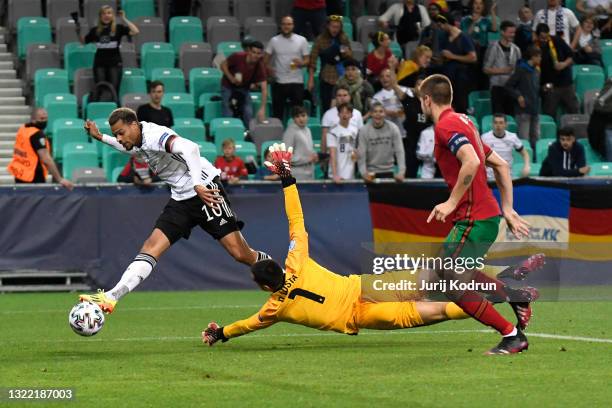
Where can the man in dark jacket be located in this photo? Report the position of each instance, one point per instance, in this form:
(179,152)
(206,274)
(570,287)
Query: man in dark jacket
(565,158)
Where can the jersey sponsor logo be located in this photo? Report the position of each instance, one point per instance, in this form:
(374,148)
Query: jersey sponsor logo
(222,222)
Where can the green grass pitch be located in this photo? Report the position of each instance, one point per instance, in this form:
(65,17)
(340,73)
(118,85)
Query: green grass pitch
(150,354)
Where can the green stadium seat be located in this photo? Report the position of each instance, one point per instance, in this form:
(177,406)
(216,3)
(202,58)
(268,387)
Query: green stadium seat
(212,108)
(99,110)
(264,146)
(601,169)
(347,27)
(606,54)
(138,8)
(227,48)
(535,169)
(204,80)
(156,55)
(60,106)
(587,81)
(190,128)
(487,123)
(245,150)
(32,30)
(480,102)
(585,68)
(66,131)
(518,158)
(542,149)
(76,155)
(609,71)
(184,30)
(105,129)
(111,159)
(49,81)
(172,78)
(590,154)
(181,104)
(396,49)
(517,169)
(115,174)
(132,81)
(548,127)
(208,150)
(223,128)
(77,55)
(256,100)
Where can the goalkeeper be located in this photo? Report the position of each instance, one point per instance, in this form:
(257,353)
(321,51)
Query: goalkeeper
(306,293)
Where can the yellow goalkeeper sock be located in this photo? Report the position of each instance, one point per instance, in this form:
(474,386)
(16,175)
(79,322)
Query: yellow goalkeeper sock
(454,312)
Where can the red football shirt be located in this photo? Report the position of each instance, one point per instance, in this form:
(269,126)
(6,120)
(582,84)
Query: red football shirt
(233,168)
(452,131)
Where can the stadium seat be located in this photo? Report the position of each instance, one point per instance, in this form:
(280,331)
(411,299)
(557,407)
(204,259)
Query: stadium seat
(548,127)
(129,57)
(91,9)
(77,55)
(578,122)
(220,29)
(115,174)
(185,29)
(256,100)
(279,9)
(535,169)
(190,128)
(347,27)
(606,56)
(590,154)
(83,83)
(262,28)
(204,80)
(601,169)
(585,68)
(83,175)
(134,100)
(172,78)
(587,81)
(227,48)
(111,159)
(60,106)
(226,128)
(152,29)
(65,31)
(22,8)
(358,51)
(66,131)
(208,150)
(210,8)
(475,122)
(57,9)
(480,102)
(40,56)
(366,25)
(105,129)
(487,124)
(156,55)
(194,55)
(211,105)
(588,104)
(32,30)
(542,149)
(132,81)
(99,110)
(138,8)
(396,49)
(269,129)
(517,169)
(246,8)
(518,158)
(76,155)
(181,104)
(47,81)
(246,151)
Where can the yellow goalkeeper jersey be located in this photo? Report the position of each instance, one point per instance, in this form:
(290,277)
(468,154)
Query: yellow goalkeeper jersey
(312,295)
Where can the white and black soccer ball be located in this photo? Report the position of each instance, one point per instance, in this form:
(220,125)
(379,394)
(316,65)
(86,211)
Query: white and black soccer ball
(86,318)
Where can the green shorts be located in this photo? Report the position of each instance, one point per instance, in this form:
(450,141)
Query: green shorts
(471,238)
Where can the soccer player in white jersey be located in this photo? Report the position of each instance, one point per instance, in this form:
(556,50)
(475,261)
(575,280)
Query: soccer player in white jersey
(197,198)
(342,143)
(504,143)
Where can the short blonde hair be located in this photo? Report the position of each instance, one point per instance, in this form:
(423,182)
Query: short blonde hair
(228,142)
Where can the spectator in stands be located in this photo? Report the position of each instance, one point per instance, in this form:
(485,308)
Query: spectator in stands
(331,118)
(137,171)
(286,54)
(556,73)
(566,158)
(433,36)
(31,154)
(333,47)
(560,20)
(360,90)
(312,12)
(499,63)
(504,143)
(380,147)
(342,143)
(477,25)
(390,97)
(524,29)
(107,66)
(153,111)
(380,58)
(407,19)
(600,9)
(524,88)
(410,70)
(241,71)
(263,172)
(459,55)
(585,44)
(600,122)
(425,153)
(232,167)
(299,137)
(414,123)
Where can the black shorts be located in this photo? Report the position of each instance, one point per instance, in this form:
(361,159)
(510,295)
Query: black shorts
(179,217)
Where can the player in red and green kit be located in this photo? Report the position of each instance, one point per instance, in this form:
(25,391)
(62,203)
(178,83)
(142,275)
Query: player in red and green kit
(462,157)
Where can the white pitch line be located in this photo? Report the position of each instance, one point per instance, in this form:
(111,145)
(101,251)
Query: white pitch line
(136,309)
(573,338)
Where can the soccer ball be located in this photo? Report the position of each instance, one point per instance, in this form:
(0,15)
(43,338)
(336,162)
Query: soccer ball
(86,319)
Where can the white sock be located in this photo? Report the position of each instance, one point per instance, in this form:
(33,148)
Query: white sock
(138,271)
(512,333)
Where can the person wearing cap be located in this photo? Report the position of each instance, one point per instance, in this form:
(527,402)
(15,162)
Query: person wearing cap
(360,89)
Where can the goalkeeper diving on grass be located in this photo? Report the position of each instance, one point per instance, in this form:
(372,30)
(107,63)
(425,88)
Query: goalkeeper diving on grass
(308,294)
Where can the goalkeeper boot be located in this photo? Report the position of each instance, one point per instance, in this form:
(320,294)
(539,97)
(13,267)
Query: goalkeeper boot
(521,305)
(511,345)
(520,272)
(101,299)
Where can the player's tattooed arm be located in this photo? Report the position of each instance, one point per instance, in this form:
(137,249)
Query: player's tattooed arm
(467,180)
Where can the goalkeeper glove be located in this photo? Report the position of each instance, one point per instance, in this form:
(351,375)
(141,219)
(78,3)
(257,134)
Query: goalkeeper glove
(281,163)
(213,333)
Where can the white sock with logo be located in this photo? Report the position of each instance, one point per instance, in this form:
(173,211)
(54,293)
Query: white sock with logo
(135,273)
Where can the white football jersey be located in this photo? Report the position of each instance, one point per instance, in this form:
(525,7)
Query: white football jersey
(170,167)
